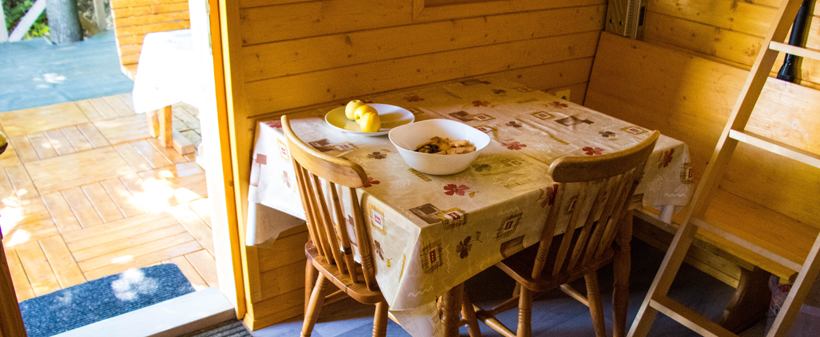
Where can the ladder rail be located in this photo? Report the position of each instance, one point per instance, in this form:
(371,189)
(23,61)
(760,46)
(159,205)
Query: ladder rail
(724,149)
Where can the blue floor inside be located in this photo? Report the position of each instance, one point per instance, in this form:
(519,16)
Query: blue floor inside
(37,73)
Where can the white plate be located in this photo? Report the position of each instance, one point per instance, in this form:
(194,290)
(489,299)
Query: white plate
(391,116)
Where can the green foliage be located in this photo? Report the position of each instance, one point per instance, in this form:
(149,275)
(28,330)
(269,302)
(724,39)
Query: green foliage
(14,11)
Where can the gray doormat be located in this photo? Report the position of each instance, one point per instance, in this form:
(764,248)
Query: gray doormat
(233,328)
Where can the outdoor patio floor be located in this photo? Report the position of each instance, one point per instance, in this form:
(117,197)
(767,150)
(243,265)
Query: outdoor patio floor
(86,192)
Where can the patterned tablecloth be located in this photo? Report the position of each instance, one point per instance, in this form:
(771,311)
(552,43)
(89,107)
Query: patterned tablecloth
(431,233)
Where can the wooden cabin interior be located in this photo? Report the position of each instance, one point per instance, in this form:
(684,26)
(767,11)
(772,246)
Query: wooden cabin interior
(682,78)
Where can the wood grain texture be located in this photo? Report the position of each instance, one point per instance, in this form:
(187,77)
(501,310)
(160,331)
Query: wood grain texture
(310,54)
(194,225)
(61,261)
(42,278)
(190,272)
(102,202)
(130,154)
(22,288)
(205,265)
(124,199)
(696,99)
(42,146)
(77,139)
(77,169)
(296,91)
(20,122)
(59,142)
(61,213)
(123,129)
(82,207)
(23,148)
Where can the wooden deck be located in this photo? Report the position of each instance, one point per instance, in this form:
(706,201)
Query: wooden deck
(85,192)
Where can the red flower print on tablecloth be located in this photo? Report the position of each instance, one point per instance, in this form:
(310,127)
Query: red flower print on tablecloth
(414,98)
(453,189)
(285,178)
(549,195)
(377,155)
(379,249)
(514,124)
(274,124)
(371,182)
(559,105)
(514,145)
(665,158)
(593,151)
(481,103)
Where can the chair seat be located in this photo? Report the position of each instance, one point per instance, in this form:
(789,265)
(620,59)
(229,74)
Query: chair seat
(519,267)
(358,291)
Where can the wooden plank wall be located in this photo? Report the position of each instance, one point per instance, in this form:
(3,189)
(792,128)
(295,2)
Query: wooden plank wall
(135,18)
(727,31)
(731,33)
(287,55)
(685,80)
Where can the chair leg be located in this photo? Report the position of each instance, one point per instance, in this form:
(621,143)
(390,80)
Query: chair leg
(524,313)
(596,305)
(622,265)
(317,298)
(310,281)
(380,320)
(468,312)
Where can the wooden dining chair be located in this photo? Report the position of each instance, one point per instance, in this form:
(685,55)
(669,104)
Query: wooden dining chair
(582,250)
(329,250)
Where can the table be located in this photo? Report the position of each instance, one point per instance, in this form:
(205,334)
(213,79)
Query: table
(166,74)
(431,233)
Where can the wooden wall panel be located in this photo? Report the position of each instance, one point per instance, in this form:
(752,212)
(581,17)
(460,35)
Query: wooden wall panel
(690,98)
(728,31)
(135,18)
(291,55)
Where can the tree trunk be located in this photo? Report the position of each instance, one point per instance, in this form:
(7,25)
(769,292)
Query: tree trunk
(63,21)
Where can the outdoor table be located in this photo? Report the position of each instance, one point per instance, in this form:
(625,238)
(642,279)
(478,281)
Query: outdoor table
(166,74)
(432,233)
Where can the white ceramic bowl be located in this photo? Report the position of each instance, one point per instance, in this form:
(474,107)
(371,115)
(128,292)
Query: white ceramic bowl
(407,137)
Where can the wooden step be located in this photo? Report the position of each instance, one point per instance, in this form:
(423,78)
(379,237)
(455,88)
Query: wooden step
(795,50)
(688,318)
(776,147)
(771,231)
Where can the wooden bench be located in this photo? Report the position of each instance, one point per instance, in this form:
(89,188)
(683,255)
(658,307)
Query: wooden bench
(690,98)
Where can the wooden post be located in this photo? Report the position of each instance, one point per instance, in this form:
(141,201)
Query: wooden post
(63,21)
(166,133)
(11,321)
(4,33)
(100,17)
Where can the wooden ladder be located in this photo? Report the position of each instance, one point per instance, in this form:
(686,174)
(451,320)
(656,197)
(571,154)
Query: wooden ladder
(656,299)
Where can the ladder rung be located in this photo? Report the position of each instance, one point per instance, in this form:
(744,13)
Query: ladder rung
(795,50)
(689,318)
(777,147)
(747,245)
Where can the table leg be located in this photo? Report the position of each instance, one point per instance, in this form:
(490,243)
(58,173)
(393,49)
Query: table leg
(450,307)
(622,265)
(153,123)
(165,131)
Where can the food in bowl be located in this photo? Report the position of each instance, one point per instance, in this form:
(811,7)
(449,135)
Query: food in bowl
(440,145)
(407,139)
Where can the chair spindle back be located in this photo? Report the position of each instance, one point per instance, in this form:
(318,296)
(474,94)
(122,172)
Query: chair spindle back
(326,222)
(616,176)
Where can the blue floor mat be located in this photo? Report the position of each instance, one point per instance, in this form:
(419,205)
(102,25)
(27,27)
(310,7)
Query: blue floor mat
(38,73)
(96,300)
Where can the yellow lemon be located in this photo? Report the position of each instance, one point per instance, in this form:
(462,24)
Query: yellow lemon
(361,110)
(351,107)
(370,122)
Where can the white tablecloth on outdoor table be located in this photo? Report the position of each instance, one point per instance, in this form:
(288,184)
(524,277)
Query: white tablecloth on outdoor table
(167,72)
(431,233)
